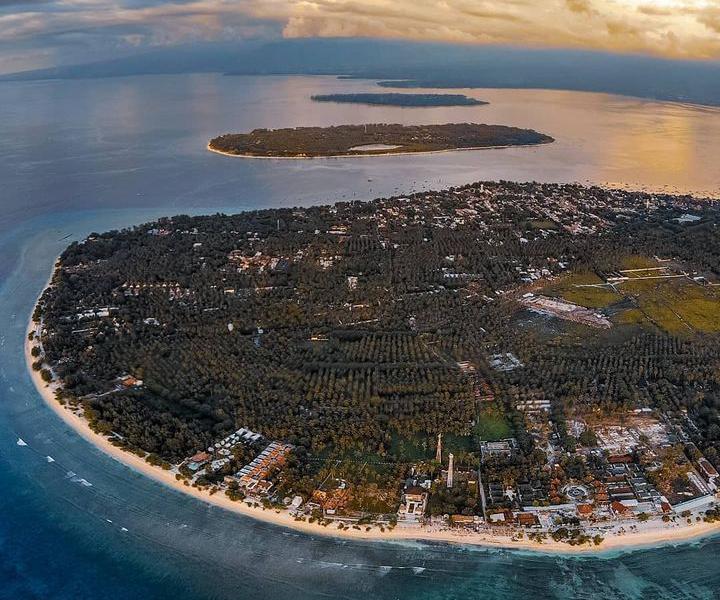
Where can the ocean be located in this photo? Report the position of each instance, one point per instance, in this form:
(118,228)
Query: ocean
(93,155)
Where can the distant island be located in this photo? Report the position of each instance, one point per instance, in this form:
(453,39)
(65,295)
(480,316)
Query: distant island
(405,100)
(372,139)
(515,364)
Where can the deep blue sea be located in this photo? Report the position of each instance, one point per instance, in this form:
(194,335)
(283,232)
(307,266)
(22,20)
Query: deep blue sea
(83,156)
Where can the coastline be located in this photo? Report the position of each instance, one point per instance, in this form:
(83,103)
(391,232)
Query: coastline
(652,536)
(373,154)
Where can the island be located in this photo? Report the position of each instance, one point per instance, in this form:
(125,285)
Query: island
(403,100)
(372,139)
(511,364)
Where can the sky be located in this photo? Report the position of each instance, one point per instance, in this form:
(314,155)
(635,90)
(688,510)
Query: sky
(43,33)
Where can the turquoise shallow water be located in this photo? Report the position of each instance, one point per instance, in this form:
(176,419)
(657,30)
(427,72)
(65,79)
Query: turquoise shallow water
(77,157)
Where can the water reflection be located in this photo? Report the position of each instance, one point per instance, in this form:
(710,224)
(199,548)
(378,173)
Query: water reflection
(140,141)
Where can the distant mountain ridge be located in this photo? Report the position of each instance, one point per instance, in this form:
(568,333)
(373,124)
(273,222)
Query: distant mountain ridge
(417,64)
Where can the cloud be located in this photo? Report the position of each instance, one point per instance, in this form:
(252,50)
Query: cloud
(710,18)
(161,23)
(579,6)
(622,29)
(657,11)
(673,28)
(680,29)
(9,3)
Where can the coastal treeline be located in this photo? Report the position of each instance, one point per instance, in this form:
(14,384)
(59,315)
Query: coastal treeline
(363,139)
(395,99)
(351,330)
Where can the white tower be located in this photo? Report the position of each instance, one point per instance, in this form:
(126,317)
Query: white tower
(438,451)
(450,470)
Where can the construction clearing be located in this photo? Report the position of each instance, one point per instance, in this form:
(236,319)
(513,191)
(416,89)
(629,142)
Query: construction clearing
(568,311)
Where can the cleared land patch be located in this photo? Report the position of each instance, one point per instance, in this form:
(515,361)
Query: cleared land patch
(584,289)
(656,295)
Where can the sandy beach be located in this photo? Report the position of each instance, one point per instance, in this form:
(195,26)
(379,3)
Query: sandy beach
(374,154)
(650,534)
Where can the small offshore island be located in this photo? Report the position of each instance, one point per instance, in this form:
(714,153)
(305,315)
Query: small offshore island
(520,365)
(372,139)
(403,100)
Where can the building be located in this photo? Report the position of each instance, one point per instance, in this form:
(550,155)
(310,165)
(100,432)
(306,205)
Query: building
(413,505)
(504,447)
(620,510)
(197,460)
(708,472)
(500,518)
(129,381)
(620,459)
(528,520)
(464,521)
(584,511)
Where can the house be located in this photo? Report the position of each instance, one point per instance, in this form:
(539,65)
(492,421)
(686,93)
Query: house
(526,519)
(620,459)
(584,511)
(197,460)
(200,457)
(498,518)
(414,503)
(463,521)
(129,381)
(620,509)
(708,472)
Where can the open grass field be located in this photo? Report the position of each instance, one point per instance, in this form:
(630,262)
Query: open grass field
(491,425)
(422,447)
(589,297)
(640,262)
(676,305)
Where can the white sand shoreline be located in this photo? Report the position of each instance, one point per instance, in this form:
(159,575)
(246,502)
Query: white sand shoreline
(374,154)
(659,536)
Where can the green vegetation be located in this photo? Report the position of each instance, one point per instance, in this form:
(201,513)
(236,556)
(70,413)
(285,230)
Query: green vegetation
(677,306)
(672,304)
(418,448)
(395,99)
(492,425)
(462,499)
(374,138)
(360,331)
(572,287)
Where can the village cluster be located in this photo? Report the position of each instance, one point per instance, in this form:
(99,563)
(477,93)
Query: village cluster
(641,472)
(254,479)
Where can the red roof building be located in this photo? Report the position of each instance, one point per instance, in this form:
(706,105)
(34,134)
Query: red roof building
(619,508)
(200,457)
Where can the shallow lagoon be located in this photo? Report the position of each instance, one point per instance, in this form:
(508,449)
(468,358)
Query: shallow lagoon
(82,156)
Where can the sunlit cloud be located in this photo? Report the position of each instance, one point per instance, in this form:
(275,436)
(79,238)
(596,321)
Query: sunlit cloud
(680,29)
(671,28)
